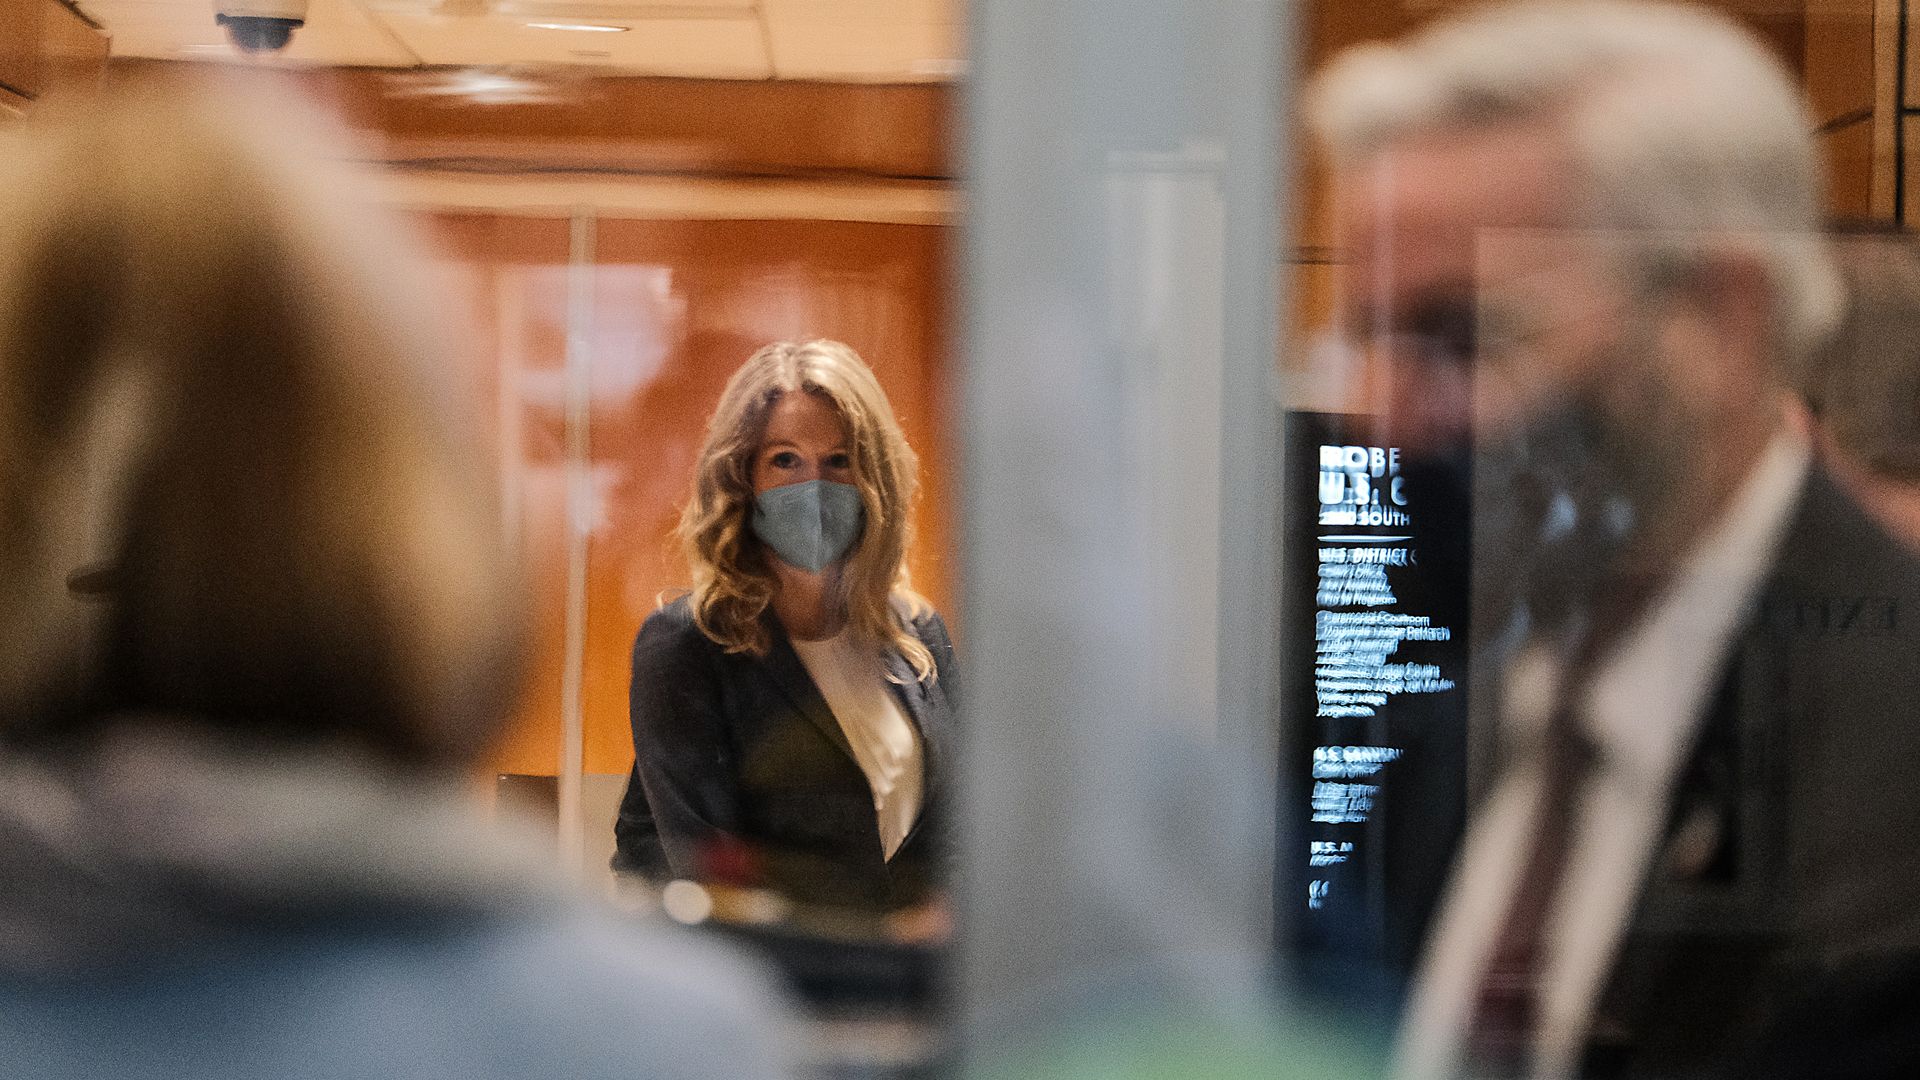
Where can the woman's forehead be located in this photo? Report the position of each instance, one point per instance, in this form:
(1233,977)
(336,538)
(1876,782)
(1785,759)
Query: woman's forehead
(804,418)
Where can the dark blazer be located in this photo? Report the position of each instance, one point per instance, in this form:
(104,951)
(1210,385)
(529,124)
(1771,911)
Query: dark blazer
(1791,866)
(739,758)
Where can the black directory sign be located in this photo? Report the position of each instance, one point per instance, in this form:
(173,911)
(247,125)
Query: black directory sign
(1374,605)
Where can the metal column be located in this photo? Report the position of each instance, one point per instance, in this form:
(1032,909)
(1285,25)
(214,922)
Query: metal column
(1121,464)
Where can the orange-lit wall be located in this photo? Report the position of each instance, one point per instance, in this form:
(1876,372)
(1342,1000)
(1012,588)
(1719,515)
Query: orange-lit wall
(44,46)
(675,307)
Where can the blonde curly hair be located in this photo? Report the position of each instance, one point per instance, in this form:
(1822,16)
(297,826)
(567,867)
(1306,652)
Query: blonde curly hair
(733,584)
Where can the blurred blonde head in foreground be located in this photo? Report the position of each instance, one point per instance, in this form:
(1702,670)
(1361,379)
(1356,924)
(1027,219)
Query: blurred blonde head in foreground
(233,489)
(255,620)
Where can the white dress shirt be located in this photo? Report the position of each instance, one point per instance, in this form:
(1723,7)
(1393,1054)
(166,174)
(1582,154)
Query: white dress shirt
(1641,710)
(883,740)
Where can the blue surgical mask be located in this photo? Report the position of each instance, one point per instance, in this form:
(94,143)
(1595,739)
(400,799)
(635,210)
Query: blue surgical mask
(809,525)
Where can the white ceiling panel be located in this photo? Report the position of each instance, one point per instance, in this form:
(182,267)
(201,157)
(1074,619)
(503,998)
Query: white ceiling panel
(871,50)
(337,32)
(913,11)
(584,10)
(633,9)
(865,40)
(717,48)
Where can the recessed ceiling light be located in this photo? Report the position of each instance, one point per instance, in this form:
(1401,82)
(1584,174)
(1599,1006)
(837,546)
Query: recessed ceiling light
(591,28)
(477,85)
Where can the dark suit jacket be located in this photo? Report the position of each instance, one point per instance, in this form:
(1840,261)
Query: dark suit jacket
(1792,858)
(738,759)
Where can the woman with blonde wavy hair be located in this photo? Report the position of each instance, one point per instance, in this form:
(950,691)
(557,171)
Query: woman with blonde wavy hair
(792,714)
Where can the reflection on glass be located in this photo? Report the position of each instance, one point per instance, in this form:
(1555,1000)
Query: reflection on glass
(1862,392)
(1583,256)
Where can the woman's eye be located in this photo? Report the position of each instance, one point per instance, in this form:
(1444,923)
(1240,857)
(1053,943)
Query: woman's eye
(839,461)
(785,459)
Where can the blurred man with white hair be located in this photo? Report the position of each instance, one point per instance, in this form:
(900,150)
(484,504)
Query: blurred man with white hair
(1583,237)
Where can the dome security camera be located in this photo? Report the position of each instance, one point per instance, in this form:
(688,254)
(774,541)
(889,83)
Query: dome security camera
(260,25)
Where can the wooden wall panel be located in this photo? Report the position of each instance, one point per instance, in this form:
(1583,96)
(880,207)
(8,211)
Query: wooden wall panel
(1848,151)
(73,50)
(45,45)
(1839,59)
(1910,168)
(20,45)
(1312,307)
(1886,74)
(1912,73)
(647,126)
(713,127)
(505,284)
(1841,87)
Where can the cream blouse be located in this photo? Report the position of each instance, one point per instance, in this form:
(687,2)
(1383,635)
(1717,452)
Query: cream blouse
(885,743)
